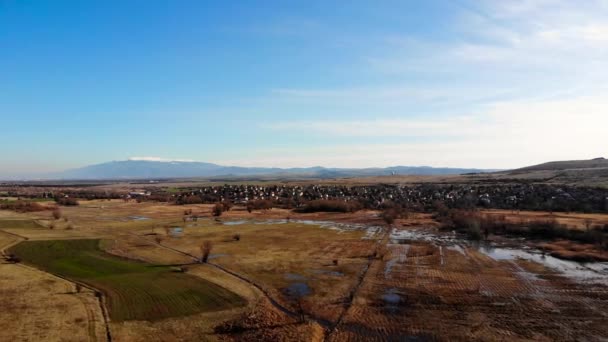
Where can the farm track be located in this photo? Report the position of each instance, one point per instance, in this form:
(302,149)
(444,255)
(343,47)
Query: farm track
(90,321)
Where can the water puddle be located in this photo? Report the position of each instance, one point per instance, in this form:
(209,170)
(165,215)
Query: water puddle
(235,223)
(400,256)
(215,256)
(391,300)
(176,231)
(138,218)
(399,236)
(593,273)
(589,273)
(370,231)
(298,290)
(328,272)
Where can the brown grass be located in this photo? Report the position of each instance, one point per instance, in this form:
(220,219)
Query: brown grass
(572,220)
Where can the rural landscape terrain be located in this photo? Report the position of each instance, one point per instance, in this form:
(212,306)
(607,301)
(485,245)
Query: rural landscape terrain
(509,255)
(315,171)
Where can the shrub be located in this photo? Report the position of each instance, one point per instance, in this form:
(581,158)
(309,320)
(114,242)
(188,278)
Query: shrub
(226,206)
(259,205)
(23,206)
(473,223)
(57,214)
(191,199)
(330,206)
(66,201)
(217,210)
(236,237)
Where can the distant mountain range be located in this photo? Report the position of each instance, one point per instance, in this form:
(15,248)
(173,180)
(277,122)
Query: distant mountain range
(144,169)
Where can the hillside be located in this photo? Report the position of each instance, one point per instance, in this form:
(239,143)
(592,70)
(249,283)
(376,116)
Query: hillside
(592,172)
(566,165)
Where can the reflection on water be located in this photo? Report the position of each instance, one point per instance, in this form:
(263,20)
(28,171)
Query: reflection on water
(138,218)
(176,231)
(328,272)
(592,273)
(370,231)
(215,256)
(235,223)
(298,290)
(595,273)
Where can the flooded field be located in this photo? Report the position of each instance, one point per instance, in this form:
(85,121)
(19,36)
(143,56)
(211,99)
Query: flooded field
(433,285)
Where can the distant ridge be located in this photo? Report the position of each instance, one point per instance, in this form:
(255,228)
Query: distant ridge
(566,165)
(151,169)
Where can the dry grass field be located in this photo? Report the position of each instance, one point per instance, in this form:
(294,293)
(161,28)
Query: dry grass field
(303,277)
(36,306)
(572,220)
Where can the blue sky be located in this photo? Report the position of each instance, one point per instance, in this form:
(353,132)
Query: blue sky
(494,84)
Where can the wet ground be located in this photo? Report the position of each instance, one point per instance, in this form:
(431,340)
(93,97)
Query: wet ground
(438,286)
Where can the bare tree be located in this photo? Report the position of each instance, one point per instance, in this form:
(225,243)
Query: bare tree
(588,223)
(389,216)
(205,251)
(226,205)
(218,209)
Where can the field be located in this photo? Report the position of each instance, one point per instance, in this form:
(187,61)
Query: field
(572,220)
(20,224)
(136,291)
(36,306)
(422,291)
(291,276)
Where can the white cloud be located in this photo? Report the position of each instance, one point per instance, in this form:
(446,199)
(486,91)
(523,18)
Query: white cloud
(159,159)
(383,127)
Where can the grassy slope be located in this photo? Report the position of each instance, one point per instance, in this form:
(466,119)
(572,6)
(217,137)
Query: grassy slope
(136,291)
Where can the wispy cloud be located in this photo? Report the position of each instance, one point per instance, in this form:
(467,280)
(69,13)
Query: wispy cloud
(502,135)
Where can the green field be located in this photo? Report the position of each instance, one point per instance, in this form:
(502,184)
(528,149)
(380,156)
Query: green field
(135,290)
(19,224)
